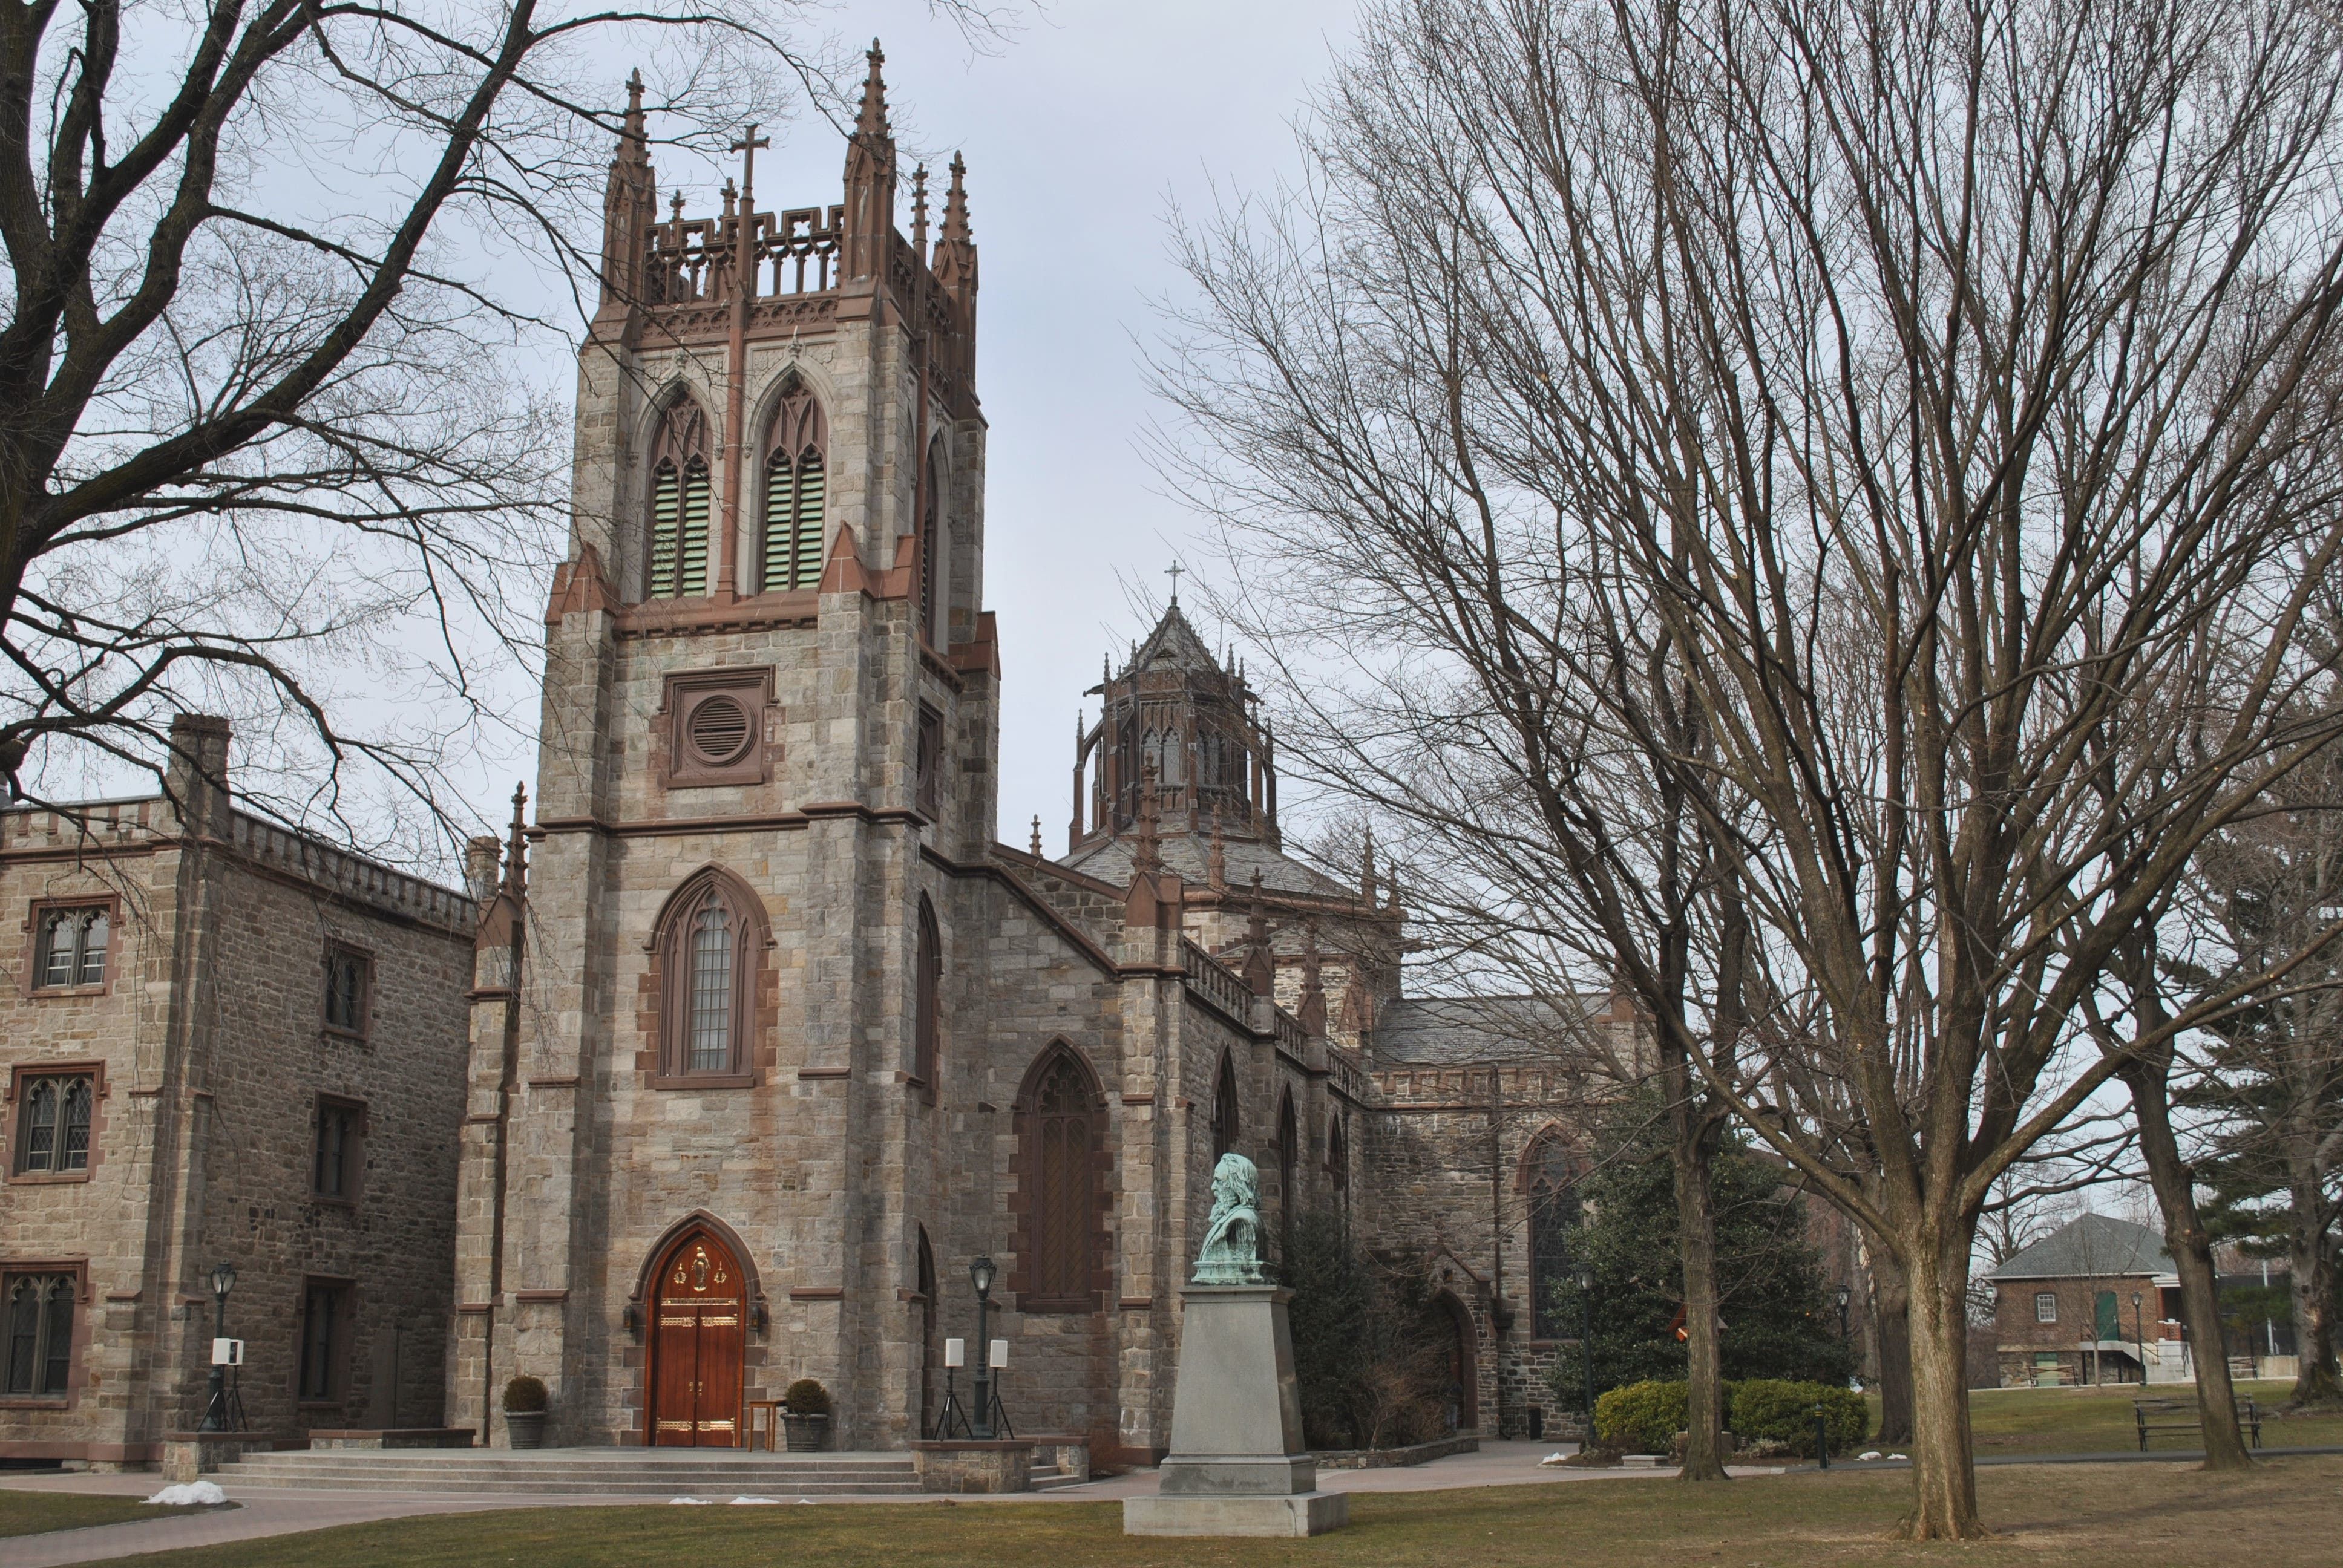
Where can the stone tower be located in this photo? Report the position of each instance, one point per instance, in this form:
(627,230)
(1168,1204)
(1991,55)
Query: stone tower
(705,1010)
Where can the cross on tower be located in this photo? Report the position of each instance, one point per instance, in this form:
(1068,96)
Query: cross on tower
(748,142)
(1174,571)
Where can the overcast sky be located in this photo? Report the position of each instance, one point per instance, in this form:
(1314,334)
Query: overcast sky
(1082,130)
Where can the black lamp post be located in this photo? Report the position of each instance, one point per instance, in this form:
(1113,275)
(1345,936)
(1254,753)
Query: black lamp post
(1587,1344)
(980,1275)
(216,1397)
(2139,1338)
(1844,1297)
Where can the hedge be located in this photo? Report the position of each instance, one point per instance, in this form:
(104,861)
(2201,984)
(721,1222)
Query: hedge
(1765,1411)
(1641,1418)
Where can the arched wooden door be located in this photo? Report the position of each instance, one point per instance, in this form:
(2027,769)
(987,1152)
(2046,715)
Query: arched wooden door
(698,1334)
(1461,1363)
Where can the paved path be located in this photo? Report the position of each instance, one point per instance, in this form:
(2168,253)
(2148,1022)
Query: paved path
(284,1511)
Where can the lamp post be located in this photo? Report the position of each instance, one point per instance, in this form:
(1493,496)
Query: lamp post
(215,1396)
(980,1275)
(1586,1344)
(1842,1298)
(2139,1338)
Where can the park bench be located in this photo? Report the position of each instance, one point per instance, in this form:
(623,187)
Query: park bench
(2157,1415)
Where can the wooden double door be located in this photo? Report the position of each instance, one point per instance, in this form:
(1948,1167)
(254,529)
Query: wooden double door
(698,1332)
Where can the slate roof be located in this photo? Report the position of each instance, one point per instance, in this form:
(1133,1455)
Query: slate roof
(2093,1245)
(1109,861)
(1452,1031)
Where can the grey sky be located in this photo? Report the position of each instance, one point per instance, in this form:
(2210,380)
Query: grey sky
(1079,133)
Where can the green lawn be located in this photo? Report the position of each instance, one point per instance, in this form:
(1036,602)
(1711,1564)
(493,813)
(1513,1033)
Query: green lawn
(30,1513)
(2099,1419)
(2116,1516)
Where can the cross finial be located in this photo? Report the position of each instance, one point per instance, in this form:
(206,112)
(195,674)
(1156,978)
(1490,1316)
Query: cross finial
(748,142)
(1174,571)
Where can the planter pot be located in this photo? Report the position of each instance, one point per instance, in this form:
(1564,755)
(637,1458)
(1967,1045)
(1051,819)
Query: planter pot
(526,1428)
(805,1432)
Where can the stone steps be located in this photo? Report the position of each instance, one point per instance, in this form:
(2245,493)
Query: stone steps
(584,1473)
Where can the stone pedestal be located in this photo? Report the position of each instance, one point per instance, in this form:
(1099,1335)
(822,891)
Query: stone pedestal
(1238,1465)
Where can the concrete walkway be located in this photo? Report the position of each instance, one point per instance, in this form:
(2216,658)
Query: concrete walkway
(265,1512)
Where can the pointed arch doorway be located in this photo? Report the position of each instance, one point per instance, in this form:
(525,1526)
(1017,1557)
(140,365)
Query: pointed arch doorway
(698,1334)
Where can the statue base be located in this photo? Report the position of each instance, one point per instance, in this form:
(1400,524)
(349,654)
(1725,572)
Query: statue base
(1238,1465)
(1308,1514)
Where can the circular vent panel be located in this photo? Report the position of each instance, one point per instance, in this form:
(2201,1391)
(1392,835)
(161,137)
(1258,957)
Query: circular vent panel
(717,731)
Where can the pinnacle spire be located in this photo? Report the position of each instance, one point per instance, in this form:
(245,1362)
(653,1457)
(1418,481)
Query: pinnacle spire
(1367,869)
(919,212)
(872,121)
(516,854)
(956,203)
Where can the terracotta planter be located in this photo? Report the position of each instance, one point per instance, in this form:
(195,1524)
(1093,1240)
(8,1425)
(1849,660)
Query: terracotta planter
(525,1428)
(805,1433)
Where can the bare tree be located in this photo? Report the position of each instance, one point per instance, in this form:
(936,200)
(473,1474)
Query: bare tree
(259,451)
(1930,384)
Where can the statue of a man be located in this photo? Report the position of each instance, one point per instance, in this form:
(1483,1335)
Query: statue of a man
(1231,1254)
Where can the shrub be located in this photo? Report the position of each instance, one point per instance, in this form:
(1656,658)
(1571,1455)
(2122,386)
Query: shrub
(806,1397)
(1767,1411)
(525,1394)
(1642,1418)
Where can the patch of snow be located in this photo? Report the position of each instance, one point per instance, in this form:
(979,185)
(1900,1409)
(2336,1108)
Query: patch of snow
(1555,1458)
(1894,1456)
(687,1502)
(745,1502)
(191,1494)
(1872,1453)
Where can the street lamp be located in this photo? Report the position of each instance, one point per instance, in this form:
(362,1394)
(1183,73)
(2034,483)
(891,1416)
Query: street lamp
(1587,1344)
(1844,1297)
(2139,1338)
(980,1275)
(215,1396)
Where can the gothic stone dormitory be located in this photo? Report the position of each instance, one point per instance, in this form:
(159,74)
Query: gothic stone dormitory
(768,1038)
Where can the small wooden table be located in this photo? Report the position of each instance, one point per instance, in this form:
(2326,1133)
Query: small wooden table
(773,1409)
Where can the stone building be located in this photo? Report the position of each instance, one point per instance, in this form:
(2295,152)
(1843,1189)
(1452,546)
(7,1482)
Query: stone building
(770,1038)
(221,1041)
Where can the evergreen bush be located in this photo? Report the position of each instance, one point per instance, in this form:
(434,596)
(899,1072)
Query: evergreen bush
(1643,1417)
(1766,1410)
(525,1394)
(806,1397)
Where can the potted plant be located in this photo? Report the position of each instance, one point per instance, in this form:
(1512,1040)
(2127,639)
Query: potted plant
(805,1415)
(525,1411)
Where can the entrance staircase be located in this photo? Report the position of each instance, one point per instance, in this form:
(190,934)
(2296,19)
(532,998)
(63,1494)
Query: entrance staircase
(718,1474)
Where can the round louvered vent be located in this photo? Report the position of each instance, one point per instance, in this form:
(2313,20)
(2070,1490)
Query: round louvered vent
(718,731)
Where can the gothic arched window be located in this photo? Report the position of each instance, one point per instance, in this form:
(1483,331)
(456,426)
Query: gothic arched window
(1551,1180)
(1224,1110)
(927,1023)
(1064,1122)
(709,940)
(1174,766)
(790,557)
(678,520)
(932,548)
(1338,1165)
(40,1335)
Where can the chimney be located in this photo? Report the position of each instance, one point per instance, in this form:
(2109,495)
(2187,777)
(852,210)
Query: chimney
(196,779)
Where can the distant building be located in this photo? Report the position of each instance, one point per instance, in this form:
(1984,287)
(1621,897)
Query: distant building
(2098,1301)
(220,1041)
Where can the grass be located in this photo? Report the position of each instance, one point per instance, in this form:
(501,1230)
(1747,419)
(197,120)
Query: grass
(31,1512)
(2113,1516)
(2030,1421)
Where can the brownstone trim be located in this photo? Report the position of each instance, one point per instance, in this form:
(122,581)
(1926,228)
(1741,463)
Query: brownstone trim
(810,1074)
(682,695)
(12,1125)
(698,1219)
(817,1293)
(1136,1303)
(116,934)
(111,1453)
(84,1325)
(1028,1171)
(560,1296)
(571,1081)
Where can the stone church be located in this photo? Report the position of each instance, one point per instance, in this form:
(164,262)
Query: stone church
(769,1038)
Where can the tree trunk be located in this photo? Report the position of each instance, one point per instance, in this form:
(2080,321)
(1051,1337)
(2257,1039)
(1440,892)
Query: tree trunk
(1944,1478)
(1692,1147)
(2192,1259)
(2311,1261)
(1892,1332)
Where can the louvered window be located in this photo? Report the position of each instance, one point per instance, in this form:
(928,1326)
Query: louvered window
(1554,1230)
(1065,1212)
(679,562)
(795,480)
